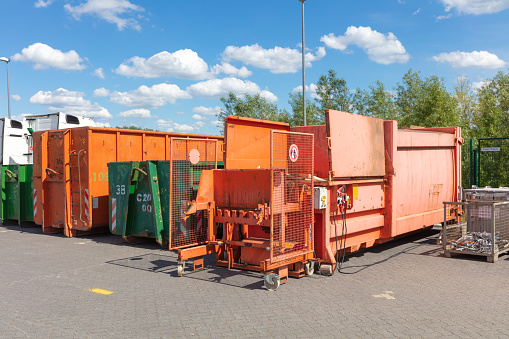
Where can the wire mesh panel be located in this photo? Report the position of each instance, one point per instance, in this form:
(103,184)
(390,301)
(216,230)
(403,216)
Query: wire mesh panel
(292,161)
(188,158)
(476,227)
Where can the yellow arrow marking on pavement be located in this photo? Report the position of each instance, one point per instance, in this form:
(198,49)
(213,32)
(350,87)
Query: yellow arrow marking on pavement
(100,291)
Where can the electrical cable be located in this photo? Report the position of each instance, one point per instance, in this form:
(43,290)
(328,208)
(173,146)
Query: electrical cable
(343,237)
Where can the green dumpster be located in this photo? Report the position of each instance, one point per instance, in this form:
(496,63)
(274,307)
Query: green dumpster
(17,193)
(140,200)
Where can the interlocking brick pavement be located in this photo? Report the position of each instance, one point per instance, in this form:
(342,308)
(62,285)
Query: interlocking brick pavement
(404,288)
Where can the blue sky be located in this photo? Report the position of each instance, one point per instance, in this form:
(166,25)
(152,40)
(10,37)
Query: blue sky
(165,64)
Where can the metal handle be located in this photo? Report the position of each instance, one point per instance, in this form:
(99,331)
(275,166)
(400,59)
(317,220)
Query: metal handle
(9,173)
(140,170)
(79,182)
(50,172)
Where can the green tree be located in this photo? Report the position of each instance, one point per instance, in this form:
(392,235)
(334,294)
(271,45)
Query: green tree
(333,93)
(425,103)
(136,128)
(314,116)
(376,102)
(491,118)
(252,106)
(466,100)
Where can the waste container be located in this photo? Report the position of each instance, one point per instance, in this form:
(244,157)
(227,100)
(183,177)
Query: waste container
(71,172)
(16,148)
(139,191)
(17,193)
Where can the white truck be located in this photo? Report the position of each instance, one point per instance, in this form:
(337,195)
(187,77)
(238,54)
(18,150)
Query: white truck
(16,144)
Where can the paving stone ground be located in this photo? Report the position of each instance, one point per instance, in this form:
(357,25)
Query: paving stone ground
(404,288)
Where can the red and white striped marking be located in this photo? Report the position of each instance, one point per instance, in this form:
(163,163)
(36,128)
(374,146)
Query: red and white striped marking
(183,230)
(35,203)
(86,204)
(199,220)
(113,214)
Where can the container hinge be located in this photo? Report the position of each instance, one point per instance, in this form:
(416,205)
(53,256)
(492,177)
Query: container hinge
(329,143)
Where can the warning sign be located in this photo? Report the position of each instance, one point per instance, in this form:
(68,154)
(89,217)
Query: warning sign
(294,153)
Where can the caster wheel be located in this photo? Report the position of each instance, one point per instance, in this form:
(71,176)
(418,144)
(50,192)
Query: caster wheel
(326,269)
(309,268)
(271,281)
(180,269)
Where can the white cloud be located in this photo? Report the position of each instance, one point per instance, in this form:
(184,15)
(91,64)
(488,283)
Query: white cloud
(198,117)
(476,7)
(16,97)
(109,10)
(155,96)
(269,96)
(229,69)
(199,124)
(45,56)
(277,60)
(381,48)
(135,113)
(170,126)
(443,17)
(42,3)
(184,64)
(416,12)
(479,84)
(70,102)
(101,92)
(482,59)
(102,124)
(20,116)
(216,88)
(213,111)
(311,90)
(99,72)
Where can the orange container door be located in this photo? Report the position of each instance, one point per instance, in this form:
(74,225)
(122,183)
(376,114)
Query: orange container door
(248,142)
(54,185)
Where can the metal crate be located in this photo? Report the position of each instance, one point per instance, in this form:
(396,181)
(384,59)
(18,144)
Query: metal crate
(487,194)
(477,228)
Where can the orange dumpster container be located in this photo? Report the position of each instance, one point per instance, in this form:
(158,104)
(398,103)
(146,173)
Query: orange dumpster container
(379,181)
(71,172)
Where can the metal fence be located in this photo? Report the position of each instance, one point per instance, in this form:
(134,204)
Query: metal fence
(489,163)
(188,158)
(292,195)
(476,227)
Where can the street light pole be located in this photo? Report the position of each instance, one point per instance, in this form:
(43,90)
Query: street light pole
(303,67)
(6,60)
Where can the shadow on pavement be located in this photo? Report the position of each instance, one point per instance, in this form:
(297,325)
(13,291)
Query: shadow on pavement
(414,241)
(167,264)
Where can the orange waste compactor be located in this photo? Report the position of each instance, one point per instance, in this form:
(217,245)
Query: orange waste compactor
(260,206)
(369,181)
(71,173)
(375,182)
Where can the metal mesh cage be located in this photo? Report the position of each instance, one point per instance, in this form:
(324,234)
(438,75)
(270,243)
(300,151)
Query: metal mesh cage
(292,195)
(476,227)
(188,158)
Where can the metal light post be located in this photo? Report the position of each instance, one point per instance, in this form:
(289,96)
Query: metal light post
(303,67)
(6,60)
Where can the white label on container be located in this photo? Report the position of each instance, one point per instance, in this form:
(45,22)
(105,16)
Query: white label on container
(490,149)
(95,202)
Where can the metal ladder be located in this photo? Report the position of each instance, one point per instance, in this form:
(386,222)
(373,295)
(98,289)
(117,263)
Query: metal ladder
(75,217)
